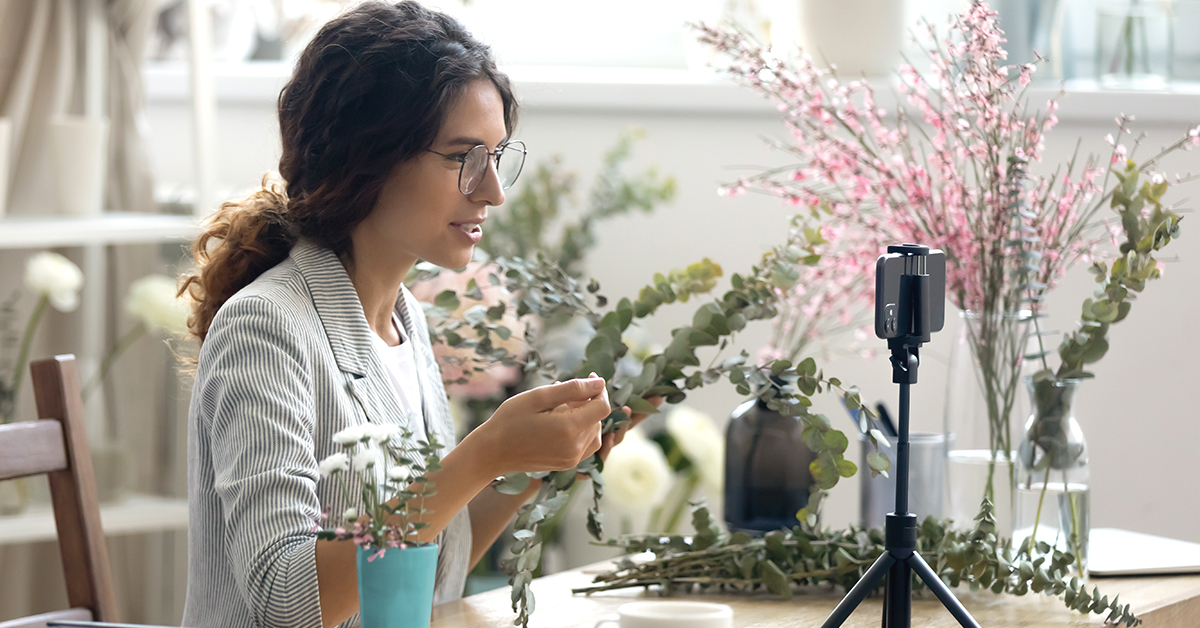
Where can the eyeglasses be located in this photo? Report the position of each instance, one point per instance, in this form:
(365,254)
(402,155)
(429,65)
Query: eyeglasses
(509,159)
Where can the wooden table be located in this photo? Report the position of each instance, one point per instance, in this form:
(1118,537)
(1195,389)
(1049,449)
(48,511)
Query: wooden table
(1161,602)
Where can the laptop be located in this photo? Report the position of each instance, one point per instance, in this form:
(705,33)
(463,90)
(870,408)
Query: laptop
(1113,552)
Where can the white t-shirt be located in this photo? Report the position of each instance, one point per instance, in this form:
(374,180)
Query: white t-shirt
(400,362)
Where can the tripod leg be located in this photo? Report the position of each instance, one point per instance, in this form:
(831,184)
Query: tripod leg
(897,606)
(942,592)
(859,591)
(887,595)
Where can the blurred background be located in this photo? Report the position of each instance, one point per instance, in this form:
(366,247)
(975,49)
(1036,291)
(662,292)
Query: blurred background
(179,125)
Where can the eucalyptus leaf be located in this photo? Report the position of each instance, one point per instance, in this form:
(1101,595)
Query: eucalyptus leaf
(513,484)
(446,299)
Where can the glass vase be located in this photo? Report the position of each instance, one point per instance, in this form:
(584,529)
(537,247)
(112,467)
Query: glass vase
(986,363)
(766,469)
(1052,473)
(1134,44)
(1032,26)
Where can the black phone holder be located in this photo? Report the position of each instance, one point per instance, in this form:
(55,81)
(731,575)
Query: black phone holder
(910,304)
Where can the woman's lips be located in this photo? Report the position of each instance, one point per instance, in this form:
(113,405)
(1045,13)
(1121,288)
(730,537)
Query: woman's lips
(472,231)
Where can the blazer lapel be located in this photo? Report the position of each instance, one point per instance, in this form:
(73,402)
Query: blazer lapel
(341,315)
(337,305)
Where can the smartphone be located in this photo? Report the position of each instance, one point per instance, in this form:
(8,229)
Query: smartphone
(898,291)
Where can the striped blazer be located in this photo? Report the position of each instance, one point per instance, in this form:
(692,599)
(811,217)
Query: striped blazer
(286,364)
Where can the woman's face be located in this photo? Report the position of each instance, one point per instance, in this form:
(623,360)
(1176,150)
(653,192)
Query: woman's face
(420,213)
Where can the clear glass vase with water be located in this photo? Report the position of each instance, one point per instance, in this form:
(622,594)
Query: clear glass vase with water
(1134,44)
(982,399)
(1052,473)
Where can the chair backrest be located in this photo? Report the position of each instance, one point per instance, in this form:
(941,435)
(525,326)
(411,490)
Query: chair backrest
(56,445)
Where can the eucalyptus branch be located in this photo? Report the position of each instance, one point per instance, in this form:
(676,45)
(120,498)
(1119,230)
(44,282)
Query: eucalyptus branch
(1147,227)
(543,290)
(782,560)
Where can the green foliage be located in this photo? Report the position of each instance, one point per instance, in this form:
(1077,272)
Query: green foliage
(784,559)
(521,228)
(1147,227)
(546,291)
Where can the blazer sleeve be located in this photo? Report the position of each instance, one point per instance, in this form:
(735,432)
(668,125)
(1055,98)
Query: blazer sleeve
(261,418)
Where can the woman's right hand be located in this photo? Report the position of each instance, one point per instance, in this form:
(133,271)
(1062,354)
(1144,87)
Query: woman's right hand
(548,428)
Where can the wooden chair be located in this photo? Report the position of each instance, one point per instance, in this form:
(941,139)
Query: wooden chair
(56,445)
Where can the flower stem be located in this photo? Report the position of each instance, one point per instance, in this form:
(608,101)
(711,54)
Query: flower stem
(119,347)
(35,317)
(1038,516)
(1075,538)
(689,485)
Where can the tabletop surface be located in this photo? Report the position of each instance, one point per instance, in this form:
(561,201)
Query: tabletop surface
(1160,601)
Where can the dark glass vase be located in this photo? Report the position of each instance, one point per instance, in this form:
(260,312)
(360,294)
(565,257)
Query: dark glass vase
(766,469)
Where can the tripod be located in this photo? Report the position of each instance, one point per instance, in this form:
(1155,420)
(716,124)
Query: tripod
(907,322)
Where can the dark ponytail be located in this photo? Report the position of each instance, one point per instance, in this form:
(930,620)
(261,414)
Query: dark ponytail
(240,241)
(369,92)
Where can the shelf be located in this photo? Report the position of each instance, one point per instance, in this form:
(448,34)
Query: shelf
(109,228)
(676,90)
(134,514)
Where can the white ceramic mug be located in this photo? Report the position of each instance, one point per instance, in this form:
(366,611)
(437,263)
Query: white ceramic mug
(79,152)
(670,614)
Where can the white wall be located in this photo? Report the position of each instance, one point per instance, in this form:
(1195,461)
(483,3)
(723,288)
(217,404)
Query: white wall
(1139,414)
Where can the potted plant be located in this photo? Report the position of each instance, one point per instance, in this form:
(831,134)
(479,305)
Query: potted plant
(382,468)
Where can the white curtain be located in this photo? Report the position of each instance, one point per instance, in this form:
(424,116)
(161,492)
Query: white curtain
(41,75)
(38,67)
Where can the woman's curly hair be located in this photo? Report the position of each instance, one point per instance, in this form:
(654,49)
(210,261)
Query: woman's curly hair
(369,92)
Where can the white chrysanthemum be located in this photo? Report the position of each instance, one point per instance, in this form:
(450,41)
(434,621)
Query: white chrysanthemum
(56,277)
(333,464)
(636,474)
(351,514)
(701,442)
(366,458)
(350,435)
(381,433)
(153,299)
(398,472)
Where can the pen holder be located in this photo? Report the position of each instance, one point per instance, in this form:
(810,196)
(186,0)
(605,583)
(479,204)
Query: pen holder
(927,473)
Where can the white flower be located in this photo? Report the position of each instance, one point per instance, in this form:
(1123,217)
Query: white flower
(56,277)
(399,473)
(350,435)
(366,458)
(636,474)
(152,299)
(351,514)
(334,463)
(381,433)
(701,442)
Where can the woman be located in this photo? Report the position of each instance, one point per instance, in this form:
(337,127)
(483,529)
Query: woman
(396,130)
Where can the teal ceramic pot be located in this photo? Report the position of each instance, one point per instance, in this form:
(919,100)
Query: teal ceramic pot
(395,590)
